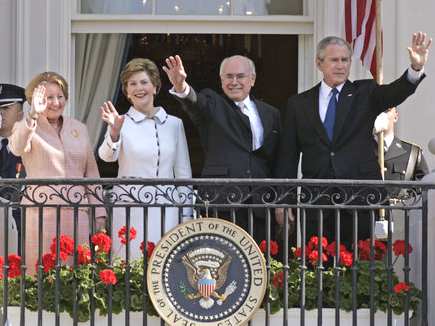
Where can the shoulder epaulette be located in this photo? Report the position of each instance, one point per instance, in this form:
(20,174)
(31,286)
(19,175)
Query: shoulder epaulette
(411,143)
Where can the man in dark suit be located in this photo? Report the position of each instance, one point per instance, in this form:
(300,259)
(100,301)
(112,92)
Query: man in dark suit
(331,124)
(239,134)
(12,98)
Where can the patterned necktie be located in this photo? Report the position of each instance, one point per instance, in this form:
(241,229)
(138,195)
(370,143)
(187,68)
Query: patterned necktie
(330,114)
(247,112)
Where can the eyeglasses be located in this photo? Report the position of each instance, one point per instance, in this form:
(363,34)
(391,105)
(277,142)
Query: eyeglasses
(231,77)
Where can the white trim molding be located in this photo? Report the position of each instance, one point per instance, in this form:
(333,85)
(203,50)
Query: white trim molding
(189,24)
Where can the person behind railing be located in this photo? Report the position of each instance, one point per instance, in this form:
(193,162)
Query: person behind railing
(403,160)
(12,98)
(53,146)
(147,142)
(331,124)
(239,134)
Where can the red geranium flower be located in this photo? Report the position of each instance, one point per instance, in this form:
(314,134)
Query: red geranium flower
(346,258)
(401,287)
(298,252)
(380,249)
(66,247)
(314,257)
(278,280)
(1,267)
(107,276)
(150,248)
(83,255)
(399,248)
(314,242)
(48,261)
(274,248)
(102,242)
(14,265)
(330,249)
(122,234)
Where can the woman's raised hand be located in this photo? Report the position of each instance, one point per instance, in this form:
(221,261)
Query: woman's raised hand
(113,119)
(39,101)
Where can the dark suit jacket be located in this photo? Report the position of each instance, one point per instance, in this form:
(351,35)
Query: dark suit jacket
(226,136)
(350,154)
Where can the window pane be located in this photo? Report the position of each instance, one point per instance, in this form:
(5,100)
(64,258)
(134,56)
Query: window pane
(116,7)
(194,7)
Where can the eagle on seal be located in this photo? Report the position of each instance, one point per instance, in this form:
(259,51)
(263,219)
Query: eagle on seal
(207,280)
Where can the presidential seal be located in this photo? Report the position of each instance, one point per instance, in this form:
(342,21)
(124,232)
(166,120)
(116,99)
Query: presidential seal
(206,272)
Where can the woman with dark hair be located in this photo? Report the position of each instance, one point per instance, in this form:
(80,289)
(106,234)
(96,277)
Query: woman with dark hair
(147,143)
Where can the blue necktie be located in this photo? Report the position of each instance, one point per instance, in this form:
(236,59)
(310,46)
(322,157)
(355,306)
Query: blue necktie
(330,114)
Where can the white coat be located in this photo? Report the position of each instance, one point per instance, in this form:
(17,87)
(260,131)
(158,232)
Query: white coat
(148,148)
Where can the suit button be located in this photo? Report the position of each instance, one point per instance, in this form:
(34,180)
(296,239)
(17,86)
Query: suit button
(332,154)
(248,172)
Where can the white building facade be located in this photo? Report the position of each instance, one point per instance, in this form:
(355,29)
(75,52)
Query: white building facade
(41,35)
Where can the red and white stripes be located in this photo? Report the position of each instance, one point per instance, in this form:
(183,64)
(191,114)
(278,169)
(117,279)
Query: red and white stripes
(360,30)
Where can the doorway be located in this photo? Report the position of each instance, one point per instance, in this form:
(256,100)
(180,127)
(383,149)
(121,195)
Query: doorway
(275,57)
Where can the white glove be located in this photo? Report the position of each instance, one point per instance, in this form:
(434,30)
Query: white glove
(381,123)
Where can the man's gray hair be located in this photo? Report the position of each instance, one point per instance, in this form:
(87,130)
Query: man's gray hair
(250,63)
(331,40)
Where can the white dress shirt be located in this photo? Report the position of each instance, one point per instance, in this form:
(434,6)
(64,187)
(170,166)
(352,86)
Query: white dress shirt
(325,94)
(249,109)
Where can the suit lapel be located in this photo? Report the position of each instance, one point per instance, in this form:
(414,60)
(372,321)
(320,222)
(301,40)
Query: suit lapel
(313,116)
(396,149)
(344,106)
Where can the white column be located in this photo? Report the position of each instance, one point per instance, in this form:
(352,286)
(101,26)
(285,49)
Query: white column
(43,39)
(7,37)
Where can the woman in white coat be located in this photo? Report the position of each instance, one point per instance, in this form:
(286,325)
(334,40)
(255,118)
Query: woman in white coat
(147,143)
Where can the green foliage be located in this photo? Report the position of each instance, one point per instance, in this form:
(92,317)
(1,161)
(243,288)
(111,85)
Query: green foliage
(383,296)
(82,285)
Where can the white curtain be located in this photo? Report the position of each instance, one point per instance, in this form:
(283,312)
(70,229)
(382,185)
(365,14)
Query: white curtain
(98,63)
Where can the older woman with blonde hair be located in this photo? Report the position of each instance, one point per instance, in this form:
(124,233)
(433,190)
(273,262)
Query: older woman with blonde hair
(53,146)
(147,143)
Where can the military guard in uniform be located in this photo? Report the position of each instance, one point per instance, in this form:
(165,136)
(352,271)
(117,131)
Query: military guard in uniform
(403,160)
(11,110)
(12,98)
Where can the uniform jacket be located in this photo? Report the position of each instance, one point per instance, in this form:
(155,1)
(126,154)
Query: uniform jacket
(226,137)
(350,153)
(396,161)
(8,166)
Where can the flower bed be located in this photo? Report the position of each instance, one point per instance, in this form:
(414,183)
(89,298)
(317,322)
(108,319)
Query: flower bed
(345,261)
(95,277)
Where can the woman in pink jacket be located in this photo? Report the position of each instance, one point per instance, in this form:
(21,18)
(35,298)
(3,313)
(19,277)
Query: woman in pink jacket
(53,146)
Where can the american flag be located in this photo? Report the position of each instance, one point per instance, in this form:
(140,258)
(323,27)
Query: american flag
(206,286)
(360,30)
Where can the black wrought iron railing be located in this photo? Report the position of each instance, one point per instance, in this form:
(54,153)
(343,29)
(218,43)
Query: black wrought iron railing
(324,253)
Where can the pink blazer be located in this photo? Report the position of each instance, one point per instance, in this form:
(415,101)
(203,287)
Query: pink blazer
(46,154)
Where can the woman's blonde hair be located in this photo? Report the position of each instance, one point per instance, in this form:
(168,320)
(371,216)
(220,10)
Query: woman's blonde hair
(48,77)
(139,65)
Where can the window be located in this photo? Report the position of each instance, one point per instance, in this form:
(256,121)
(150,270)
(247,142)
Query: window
(193,7)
